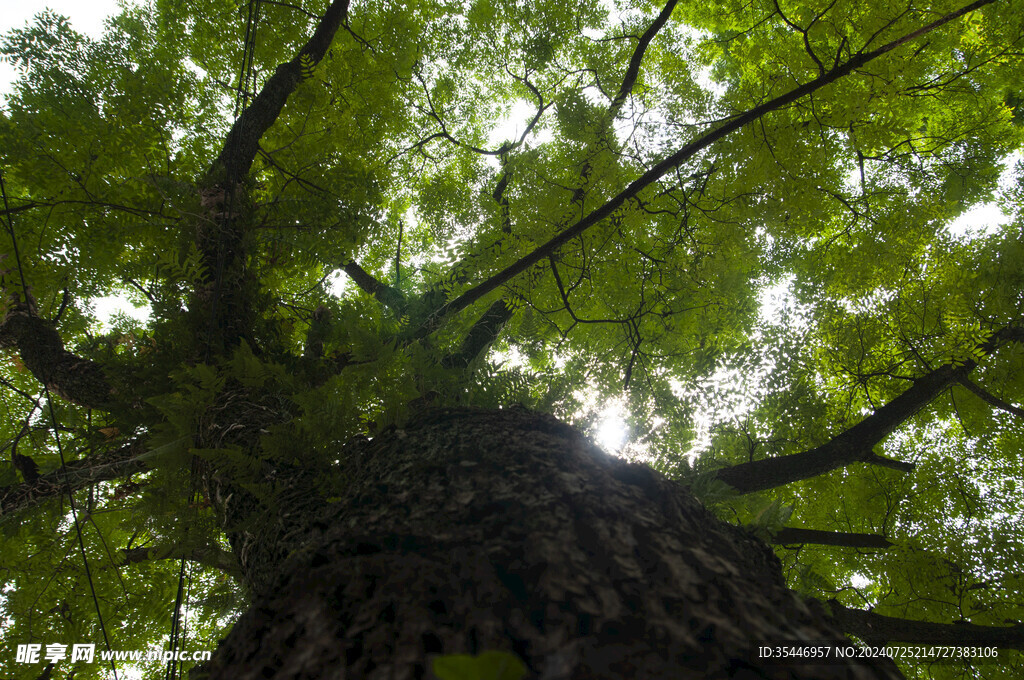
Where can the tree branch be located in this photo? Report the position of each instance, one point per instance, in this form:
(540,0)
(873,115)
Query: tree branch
(876,629)
(791,535)
(633,70)
(483,333)
(76,475)
(385,294)
(882,461)
(665,166)
(7,212)
(856,444)
(208,556)
(242,142)
(987,396)
(851,446)
(42,352)
(224,302)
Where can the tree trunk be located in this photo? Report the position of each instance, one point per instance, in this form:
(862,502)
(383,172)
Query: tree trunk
(471,530)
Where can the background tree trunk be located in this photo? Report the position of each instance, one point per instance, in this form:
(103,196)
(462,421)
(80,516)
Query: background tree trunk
(471,530)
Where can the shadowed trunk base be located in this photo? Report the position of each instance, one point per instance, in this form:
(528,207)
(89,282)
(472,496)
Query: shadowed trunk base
(472,530)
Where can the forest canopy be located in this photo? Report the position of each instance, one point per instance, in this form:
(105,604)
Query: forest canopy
(759,230)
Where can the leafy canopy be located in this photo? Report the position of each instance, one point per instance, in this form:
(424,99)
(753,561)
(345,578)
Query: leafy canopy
(432,147)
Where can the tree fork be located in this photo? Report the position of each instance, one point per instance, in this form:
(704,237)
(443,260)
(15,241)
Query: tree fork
(225,297)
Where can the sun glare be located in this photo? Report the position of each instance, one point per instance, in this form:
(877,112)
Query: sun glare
(611,429)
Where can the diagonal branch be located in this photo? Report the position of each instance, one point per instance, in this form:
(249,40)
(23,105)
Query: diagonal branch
(483,333)
(242,142)
(990,398)
(851,446)
(633,70)
(668,164)
(385,294)
(891,463)
(857,443)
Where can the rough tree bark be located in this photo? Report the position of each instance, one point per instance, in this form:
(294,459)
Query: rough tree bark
(471,530)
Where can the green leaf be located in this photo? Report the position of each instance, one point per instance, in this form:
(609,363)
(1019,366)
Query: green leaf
(489,665)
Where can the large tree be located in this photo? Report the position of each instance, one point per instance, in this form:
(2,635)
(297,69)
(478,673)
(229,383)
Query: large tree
(388,250)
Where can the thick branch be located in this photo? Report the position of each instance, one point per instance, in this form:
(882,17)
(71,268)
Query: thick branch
(856,444)
(80,474)
(633,70)
(385,294)
(7,212)
(42,352)
(791,535)
(223,305)
(875,628)
(242,142)
(668,164)
(851,446)
(484,332)
(209,556)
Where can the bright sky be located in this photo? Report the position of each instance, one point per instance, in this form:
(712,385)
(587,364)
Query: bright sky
(86,16)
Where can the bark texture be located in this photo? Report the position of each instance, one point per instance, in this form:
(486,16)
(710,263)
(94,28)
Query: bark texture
(471,530)
(42,352)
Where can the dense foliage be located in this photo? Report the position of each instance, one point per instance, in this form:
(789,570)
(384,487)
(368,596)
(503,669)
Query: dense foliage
(692,163)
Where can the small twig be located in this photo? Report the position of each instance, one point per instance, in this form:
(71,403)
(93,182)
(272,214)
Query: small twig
(138,286)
